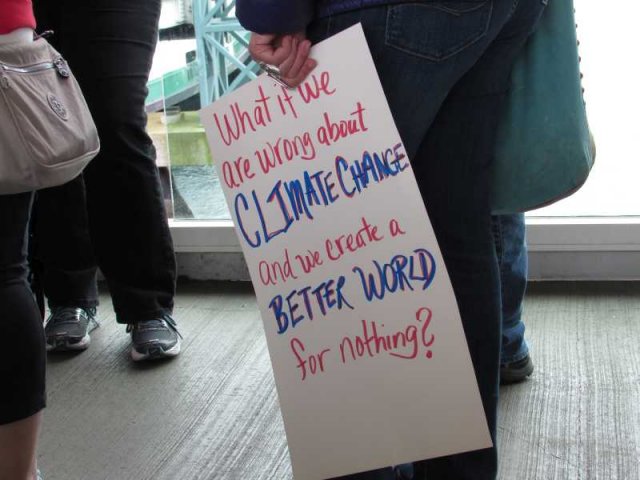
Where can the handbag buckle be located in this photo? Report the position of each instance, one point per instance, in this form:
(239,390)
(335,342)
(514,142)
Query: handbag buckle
(61,67)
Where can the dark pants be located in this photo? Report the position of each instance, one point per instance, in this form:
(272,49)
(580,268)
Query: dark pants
(22,356)
(109,45)
(445,70)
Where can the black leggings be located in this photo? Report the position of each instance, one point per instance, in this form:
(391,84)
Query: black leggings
(22,355)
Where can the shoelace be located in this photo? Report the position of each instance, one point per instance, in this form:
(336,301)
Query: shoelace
(63,315)
(160,323)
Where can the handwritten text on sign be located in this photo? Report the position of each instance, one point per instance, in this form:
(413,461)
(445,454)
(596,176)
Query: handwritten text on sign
(359,314)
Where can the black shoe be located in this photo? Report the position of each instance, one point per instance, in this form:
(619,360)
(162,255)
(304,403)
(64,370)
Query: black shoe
(515,372)
(153,339)
(67,328)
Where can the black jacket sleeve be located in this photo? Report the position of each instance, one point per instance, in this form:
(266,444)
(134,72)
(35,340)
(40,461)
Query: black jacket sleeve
(275,16)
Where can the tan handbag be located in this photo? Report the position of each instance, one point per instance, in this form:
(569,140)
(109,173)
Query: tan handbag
(47,134)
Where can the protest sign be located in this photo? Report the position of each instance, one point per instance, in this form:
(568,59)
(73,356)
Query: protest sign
(365,338)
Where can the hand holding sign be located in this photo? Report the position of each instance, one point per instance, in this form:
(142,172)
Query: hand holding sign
(288,53)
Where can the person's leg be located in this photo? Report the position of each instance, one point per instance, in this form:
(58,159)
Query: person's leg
(445,92)
(22,359)
(64,265)
(62,246)
(475,103)
(451,168)
(511,249)
(62,261)
(127,221)
(18,442)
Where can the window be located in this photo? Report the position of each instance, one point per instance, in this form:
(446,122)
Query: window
(593,234)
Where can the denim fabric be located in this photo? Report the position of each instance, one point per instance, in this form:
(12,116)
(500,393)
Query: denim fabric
(445,70)
(287,16)
(109,44)
(22,356)
(334,7)
(511,249)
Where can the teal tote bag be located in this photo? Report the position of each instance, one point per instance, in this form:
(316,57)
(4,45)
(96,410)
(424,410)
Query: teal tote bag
(544,149)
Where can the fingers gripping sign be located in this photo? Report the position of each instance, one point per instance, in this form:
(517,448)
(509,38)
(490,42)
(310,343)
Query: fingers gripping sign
(289,53)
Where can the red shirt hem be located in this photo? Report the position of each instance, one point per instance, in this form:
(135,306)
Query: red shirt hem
(16,14)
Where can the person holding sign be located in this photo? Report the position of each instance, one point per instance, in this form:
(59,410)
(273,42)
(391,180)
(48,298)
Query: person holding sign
(445,70)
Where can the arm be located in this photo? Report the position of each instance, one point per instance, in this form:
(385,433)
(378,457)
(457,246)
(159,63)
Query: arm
(275,16)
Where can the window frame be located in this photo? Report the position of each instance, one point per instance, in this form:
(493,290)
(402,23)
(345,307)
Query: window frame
(560,248)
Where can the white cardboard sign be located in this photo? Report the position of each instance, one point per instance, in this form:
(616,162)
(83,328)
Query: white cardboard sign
(368,351)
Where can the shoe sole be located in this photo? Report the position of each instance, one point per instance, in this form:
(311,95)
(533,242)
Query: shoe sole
(64,344)
(155,353)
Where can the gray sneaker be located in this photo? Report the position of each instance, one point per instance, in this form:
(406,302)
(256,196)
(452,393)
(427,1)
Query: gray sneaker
(68,328)
(154,339)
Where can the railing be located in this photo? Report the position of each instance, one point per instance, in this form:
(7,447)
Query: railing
(223,61)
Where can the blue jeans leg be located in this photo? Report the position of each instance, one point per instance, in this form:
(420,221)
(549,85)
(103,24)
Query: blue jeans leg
(445,70)
(511,249)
